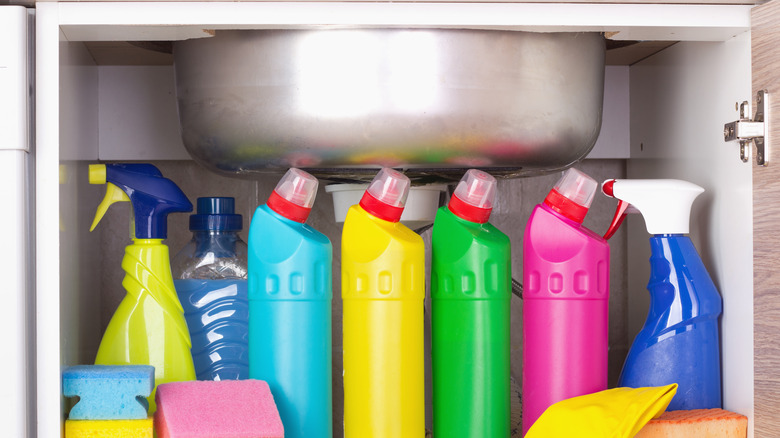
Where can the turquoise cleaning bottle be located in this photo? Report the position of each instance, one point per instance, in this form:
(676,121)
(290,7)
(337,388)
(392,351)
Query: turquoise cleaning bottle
(290,294)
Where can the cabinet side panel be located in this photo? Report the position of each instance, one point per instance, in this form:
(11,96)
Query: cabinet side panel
(15,257)
(49,401)
(766,228)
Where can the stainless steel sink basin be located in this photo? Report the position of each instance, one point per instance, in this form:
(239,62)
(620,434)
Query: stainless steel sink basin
(342,102)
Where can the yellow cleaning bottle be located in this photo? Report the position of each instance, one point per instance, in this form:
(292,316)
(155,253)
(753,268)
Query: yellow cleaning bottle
(148,327)
(383,288)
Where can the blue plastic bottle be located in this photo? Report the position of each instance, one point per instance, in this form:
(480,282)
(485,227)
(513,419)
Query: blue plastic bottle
(210,273)
(290,294)
(679,342)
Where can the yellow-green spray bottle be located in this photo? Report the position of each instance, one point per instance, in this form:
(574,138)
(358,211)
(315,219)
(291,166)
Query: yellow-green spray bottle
(148,327)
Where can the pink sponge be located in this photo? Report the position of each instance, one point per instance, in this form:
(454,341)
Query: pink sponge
(221,409)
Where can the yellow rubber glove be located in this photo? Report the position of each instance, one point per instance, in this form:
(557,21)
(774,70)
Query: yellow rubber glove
(614,413)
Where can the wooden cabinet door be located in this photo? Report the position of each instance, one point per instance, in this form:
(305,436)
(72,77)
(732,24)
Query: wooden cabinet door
(765,35)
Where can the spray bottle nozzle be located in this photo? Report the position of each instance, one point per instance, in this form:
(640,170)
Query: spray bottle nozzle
(664,203)
(152,196)
(608,188)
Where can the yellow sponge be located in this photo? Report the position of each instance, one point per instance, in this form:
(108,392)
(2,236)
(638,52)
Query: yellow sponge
(109,428)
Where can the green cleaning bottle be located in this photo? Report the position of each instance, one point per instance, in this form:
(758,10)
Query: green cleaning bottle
(470,292)
(148,327)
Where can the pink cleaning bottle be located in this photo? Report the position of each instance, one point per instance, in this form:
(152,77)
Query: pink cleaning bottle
(565,299)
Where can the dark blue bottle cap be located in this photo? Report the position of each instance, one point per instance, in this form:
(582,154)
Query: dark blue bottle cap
(216,214)
(152,195)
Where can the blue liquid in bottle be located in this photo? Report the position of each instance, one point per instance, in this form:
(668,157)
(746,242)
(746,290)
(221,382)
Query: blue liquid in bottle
(211,272)
(216,312)
(679,342)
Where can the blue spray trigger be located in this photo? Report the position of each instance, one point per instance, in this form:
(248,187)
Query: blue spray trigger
(153,197)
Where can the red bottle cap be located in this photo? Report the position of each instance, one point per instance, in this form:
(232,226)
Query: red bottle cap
(572,195)
(386,195)
(294,195)
(474,196)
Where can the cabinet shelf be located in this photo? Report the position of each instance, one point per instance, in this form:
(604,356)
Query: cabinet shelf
(143,21)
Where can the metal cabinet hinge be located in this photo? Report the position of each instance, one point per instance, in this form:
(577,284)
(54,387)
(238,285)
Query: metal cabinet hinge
(749,131)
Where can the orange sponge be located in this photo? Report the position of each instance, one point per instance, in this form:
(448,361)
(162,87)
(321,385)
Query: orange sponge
(697,423)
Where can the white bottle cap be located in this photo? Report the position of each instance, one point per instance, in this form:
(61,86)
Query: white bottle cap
(577,187)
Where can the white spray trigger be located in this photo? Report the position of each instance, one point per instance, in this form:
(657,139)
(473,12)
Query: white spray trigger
(664,203)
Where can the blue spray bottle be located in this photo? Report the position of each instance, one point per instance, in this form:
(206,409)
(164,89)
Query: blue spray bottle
(290,294)
(679,341)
